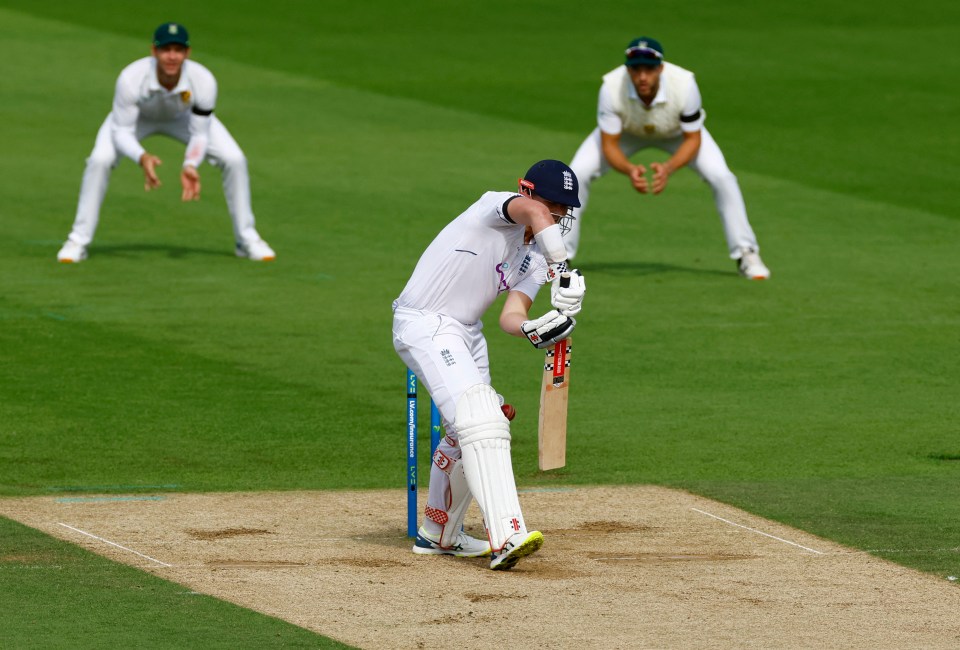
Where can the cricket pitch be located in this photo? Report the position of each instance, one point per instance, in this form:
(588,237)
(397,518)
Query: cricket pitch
(621,567)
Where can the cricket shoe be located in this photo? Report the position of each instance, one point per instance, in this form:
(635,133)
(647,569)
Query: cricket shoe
(72,253)
(256,250)
(465,546)
(751,266)
(516,547)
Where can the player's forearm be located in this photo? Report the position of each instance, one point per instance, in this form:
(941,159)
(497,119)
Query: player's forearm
(615,156)
(196,151)
(545,230)
(199,140)
(125,140)
(530,213)
(610,145)
(515,311)
(686,152)
(123,125)
(510,323)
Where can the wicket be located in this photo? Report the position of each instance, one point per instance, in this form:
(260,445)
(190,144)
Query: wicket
(412,430)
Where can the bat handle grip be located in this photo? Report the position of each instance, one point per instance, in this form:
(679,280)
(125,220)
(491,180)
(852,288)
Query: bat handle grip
(565,280)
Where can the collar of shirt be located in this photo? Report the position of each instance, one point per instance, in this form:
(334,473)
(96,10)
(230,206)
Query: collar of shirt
(661,96)
(154,82)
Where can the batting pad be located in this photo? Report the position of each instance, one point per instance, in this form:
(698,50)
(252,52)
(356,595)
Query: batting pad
(459,500)
(484,435)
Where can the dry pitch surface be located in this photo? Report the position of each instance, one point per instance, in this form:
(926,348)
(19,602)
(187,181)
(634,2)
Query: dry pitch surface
(623,567)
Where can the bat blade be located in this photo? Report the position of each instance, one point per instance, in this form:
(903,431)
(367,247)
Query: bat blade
(554,392)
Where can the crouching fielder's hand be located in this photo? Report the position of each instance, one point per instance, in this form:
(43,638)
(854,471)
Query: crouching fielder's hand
(566,294)
(190,181)
(548,329)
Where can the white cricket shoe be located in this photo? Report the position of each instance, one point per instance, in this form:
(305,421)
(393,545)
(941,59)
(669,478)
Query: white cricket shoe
(256,250)
(465,546)
(516,547)
(751,266)
(72,252)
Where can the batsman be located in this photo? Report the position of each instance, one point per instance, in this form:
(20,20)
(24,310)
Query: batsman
(506,242)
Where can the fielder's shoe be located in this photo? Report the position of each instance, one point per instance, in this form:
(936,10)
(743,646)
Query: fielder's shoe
(751,266)
(465,546)
(516,547)
(72,253)
(256,250)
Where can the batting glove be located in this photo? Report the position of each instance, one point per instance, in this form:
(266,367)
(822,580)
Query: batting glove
(555,270)
(548,329)
(567,294)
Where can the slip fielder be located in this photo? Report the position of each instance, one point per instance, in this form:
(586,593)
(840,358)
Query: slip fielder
(648,102)
(170,95)
(506,242)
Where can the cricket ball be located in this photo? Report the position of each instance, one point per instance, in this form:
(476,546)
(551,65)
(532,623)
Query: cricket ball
(508,411)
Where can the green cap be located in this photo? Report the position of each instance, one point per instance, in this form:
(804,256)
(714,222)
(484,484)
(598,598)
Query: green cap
(171,33)
(644,51)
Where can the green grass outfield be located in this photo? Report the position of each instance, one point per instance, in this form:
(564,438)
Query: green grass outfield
(826,398)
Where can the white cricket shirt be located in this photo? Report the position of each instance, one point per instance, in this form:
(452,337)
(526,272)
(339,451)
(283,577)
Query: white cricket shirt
(140,97)
(474,259)
(676,108)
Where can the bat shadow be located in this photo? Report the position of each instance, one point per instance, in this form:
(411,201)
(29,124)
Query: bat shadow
(646,268)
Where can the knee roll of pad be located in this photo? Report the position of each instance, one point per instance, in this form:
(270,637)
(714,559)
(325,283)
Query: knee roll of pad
(479,416)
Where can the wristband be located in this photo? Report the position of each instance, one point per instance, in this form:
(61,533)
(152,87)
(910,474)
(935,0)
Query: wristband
(550,241)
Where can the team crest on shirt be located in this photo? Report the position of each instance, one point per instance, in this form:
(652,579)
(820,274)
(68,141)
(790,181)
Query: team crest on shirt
(649,129)
(185,96)
(525,264)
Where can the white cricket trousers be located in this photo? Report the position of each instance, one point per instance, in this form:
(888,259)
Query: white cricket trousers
(589,164)
(448,357)
(222,152)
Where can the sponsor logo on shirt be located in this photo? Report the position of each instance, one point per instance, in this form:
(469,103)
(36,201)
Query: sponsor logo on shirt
(500,268)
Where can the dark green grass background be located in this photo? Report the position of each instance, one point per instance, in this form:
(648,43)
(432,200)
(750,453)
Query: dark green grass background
(826,398)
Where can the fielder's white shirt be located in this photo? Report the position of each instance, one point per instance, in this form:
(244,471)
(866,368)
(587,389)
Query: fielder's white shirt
(676,107)
(474,259)
(140,97)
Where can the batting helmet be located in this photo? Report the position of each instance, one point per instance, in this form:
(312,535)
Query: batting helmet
(554,181)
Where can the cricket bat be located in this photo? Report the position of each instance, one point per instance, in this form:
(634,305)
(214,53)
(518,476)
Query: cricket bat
(553,405)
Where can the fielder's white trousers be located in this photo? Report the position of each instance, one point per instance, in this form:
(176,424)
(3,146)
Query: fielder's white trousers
(448,357)
(222,151)
(589,164)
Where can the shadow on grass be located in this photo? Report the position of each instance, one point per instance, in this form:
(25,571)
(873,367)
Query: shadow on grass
(647,268)
(143,250)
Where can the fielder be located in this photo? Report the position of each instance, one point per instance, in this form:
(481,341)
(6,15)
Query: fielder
(168,94)
(648,102)
(506,242)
